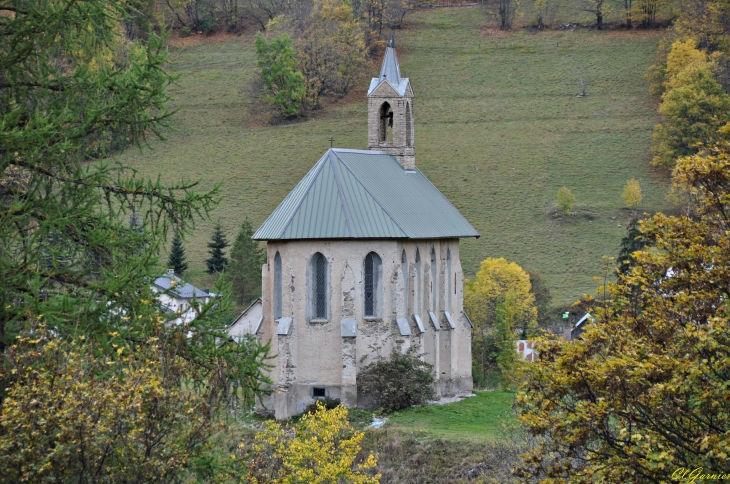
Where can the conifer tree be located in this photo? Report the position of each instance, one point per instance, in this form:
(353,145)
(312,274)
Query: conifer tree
(244,270)
(218,243)
(177,260)
(633,241)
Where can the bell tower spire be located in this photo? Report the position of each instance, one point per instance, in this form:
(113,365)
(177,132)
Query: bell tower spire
(390,111)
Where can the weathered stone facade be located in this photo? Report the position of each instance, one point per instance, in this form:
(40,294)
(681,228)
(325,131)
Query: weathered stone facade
(315,354)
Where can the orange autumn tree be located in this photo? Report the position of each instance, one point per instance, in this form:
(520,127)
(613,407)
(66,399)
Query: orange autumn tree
(644,393)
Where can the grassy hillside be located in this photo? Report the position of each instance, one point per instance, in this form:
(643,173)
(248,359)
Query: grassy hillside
(499,130)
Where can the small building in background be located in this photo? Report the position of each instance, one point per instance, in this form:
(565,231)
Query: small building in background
(248,322)
(574,332)
(525,349)
(175,297)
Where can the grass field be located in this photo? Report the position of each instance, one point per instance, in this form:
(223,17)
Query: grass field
(499,130)
(476,418)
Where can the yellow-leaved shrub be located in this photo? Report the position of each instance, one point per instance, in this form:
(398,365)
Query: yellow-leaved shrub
(321,448)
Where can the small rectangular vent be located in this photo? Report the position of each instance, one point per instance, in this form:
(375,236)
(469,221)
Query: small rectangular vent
(318,392)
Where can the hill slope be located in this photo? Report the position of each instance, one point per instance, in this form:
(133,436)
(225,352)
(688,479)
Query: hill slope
(499,130)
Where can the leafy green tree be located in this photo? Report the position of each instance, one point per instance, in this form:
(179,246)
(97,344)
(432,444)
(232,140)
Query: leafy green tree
(217,261)
(566,199)
(176,260)
(244,269)
(642,397)
(72,88)
(282,81)
(330,46)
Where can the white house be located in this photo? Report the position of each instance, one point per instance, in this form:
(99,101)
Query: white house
(176,297)
(248,322)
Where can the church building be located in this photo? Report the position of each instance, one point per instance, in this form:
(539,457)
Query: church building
(363,258)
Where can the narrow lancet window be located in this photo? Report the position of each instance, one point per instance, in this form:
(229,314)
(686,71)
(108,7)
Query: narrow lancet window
(386,122)
(372,276)
(277,286)
(433,280)
(318,270)
(419,286)
(448,278)
(404,269)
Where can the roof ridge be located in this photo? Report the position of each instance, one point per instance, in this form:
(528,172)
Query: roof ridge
(373,196)
(345,208)
(304,195)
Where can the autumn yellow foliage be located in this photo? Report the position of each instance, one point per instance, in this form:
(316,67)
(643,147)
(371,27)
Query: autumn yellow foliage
(643,393)
(632,193)
(73,413)
(320,449)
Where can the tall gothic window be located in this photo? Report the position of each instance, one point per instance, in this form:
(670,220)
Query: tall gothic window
(372,283)
(277,286)
(318,275)
(433,280)
(419,286)
(404,269)
(448,278)
(409,126)
(386,121)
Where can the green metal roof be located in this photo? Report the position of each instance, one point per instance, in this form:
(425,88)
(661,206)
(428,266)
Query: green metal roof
(356,194)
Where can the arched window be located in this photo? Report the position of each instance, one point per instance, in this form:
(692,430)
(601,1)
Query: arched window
(404,269)
(433,280)
(372,284)
(409,126)
(277,286)
(448,278)
(386,121)
(319,278)
(419,286)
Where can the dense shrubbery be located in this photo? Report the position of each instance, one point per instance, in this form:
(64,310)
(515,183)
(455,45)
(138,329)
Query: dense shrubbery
(322,447)
(402,381)
(77,413)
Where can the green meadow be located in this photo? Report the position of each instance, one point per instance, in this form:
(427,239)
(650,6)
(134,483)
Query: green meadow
(499,129)
(476,418)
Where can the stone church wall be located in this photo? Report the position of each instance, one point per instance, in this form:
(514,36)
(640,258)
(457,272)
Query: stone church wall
(314,356)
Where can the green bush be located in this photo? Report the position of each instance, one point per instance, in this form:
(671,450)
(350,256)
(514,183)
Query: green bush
(400,382)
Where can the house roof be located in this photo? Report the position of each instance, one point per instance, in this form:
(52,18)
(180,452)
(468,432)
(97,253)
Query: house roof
(390,72)
(253,303)
(355,194)
(180,288)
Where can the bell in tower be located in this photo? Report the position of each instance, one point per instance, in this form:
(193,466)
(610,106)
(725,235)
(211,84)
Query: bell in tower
(390,111)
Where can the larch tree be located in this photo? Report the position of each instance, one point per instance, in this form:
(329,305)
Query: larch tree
(244,268)
(75,298)
(217,261)
(177,259)
(642,397)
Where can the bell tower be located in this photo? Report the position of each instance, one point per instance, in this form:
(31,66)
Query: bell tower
(390,111)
